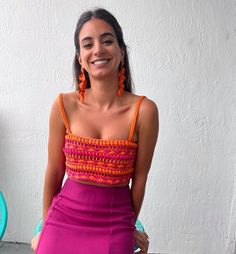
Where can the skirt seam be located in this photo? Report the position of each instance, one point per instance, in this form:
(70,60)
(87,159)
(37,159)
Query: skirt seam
(111,212)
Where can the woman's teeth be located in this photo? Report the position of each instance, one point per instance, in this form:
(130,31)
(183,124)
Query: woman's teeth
(100,61)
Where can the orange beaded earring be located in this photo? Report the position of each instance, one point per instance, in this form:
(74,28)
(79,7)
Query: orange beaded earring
(82,84)
(121,81)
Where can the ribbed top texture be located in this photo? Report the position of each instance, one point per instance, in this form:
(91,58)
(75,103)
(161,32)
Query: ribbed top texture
(100,161)
(107,162)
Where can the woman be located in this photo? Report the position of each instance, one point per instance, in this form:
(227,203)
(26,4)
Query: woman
(95,211)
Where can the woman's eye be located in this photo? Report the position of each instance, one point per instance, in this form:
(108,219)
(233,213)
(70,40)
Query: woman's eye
(108,42)
(87,46)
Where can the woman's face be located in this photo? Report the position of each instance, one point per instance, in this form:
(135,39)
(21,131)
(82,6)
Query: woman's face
(100,53)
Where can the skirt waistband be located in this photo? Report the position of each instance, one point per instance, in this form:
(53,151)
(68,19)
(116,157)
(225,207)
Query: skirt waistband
(96,195)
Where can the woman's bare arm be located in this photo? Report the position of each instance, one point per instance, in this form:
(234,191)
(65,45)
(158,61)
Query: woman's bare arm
(55,169)
(148,127)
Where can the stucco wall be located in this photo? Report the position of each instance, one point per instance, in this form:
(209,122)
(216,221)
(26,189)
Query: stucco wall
(183,56)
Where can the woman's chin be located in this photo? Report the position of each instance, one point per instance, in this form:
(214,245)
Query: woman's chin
(102,75)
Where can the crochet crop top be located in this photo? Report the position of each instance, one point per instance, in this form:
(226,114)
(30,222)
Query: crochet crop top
(109,162)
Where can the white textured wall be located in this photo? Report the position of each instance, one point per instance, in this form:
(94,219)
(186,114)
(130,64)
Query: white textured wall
(183,56)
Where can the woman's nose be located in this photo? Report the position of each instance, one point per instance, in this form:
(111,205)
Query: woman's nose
(98,48)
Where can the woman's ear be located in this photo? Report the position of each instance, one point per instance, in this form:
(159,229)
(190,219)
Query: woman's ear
(122,54)
(79,58)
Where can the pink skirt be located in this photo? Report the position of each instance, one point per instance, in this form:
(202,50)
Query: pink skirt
(87,219)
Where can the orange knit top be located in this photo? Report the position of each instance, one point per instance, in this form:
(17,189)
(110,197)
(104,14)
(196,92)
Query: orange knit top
(109,162)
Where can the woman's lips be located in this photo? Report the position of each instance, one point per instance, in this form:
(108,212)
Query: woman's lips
(100,61)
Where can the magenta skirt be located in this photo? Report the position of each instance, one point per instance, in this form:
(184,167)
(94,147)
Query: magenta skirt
(87,219)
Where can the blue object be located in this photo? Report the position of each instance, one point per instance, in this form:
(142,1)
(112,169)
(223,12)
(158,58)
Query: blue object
(138,226)
(3,215)
(38,227)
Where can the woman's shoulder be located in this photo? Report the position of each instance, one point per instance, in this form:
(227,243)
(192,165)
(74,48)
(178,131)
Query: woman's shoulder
(70,96)
(146,104)
(63,103)
(148,110)
(66,97)
(69,99)
(149,105)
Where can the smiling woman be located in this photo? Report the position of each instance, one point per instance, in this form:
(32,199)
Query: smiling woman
(102,136)
(100,53)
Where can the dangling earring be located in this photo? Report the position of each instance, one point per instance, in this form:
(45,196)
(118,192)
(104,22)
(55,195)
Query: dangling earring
(82,84)
(121,81)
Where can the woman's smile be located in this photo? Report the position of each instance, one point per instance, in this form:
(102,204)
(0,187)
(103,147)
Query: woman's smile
(100,53)
(100,61)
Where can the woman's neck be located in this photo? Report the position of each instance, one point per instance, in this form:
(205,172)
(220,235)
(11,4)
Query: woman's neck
(102,94)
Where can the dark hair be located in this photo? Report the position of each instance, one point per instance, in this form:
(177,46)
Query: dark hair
(103,14)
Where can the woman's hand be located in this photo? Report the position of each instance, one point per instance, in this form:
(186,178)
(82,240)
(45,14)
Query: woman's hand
(34,242)
(142,241)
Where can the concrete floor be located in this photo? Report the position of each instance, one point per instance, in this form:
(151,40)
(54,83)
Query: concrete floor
(13,248)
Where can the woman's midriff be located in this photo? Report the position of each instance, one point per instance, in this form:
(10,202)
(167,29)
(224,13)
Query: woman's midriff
(97,184)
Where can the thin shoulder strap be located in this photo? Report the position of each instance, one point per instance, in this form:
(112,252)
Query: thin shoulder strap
(63,113)
(135,116)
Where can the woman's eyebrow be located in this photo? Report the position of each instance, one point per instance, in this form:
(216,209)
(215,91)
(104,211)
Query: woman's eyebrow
(106,34)
(102,35)
(86,38)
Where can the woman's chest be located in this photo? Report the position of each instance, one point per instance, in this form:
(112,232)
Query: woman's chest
(106,125)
